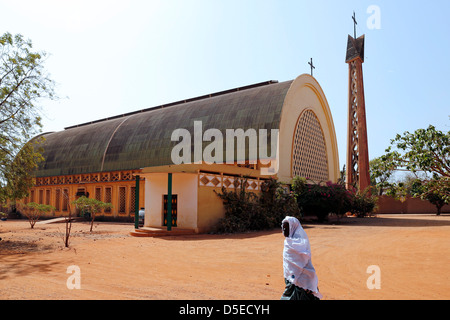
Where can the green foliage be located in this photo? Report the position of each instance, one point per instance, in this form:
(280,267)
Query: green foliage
(436,191)
(408,186)
(315,199)
(275,203)
(363,204)
(33,211)
(239,210)
(23,85)
(342,178)
(93,206)
(320,200)
(425,150)
(381,170)
(245,211)
(17,173)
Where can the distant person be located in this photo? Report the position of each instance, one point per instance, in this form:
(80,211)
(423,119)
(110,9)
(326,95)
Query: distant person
(299,274)
(141,217)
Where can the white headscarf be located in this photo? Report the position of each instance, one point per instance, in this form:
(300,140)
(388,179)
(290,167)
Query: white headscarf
(297,265)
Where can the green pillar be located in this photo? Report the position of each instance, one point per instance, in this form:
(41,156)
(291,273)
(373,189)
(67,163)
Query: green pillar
(169,203)
(136,203)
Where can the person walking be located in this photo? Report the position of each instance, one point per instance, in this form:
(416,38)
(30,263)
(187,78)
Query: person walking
(299,274)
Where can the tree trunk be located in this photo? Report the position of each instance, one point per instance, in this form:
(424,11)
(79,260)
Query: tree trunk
(92,221)
(68,228)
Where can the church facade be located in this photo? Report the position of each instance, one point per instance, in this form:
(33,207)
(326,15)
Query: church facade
(102,159)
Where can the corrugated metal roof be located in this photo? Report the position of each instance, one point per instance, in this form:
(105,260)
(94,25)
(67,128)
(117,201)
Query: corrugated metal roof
(143,138)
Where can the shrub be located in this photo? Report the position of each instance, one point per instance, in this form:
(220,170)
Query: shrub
(363,204)
(90,207)
(340,201)
(239,210)
(315,199)
(275,203)
(245,211)
(33,211)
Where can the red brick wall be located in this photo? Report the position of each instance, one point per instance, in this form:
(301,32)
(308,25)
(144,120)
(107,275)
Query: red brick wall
(411,205)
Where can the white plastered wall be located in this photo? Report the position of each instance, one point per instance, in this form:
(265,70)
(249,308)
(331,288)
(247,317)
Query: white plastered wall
(184,185)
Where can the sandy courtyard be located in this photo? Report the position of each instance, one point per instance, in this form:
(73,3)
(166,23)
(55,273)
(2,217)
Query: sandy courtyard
(411,251)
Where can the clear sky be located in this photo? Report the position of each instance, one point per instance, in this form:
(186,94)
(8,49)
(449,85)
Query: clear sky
(110,57)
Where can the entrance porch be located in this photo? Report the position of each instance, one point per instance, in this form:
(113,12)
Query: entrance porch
(193,188)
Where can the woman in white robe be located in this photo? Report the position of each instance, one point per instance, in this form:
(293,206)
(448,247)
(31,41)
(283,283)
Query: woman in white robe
(299,274)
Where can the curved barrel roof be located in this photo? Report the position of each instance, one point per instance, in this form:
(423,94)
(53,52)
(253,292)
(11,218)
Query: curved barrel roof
(143,138)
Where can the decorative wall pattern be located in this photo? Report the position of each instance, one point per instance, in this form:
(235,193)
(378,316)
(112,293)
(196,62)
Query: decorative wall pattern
(229,182)
(309,154)
(87,178)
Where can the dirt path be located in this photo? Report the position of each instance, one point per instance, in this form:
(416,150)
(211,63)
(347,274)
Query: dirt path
(412,252)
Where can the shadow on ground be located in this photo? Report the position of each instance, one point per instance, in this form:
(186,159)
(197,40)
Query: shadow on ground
(391,221)
(15,260)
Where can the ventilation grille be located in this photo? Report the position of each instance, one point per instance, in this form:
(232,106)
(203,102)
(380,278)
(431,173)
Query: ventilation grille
(309,154)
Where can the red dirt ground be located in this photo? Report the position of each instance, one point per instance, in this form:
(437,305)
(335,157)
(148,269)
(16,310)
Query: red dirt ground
(412,252)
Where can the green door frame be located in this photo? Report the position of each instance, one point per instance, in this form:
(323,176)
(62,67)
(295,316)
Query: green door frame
(169,202)
(136,203)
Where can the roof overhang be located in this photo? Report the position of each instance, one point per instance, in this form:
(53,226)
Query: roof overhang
(210,168)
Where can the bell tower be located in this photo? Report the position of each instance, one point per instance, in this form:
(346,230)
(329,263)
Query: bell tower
(357,173)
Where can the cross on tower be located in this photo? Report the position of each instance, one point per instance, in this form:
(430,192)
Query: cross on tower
(312,66)
(354,22)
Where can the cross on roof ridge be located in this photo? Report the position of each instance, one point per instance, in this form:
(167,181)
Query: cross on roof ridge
(312,66)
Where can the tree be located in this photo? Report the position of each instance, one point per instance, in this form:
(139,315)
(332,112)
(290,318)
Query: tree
(18,173)
(342,176)
(68,222)
(23,85)
(432,191)
(93,206)
(381,170)
(426,150)
(34,211)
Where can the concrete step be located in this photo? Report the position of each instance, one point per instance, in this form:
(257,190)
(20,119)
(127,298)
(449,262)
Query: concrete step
(160,232)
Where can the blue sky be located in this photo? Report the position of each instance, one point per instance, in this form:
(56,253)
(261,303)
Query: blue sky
(112,57)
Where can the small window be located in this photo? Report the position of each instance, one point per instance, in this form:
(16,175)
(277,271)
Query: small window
(58,199)
(122,199)
(41,196)
(108,197)
(65,200)
(98,194)
(132,199)
(47,197)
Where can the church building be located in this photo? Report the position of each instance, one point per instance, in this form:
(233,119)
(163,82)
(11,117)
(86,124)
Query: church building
(103,159)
